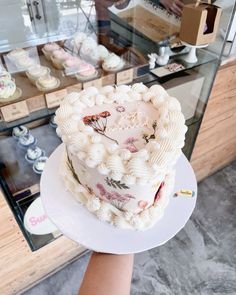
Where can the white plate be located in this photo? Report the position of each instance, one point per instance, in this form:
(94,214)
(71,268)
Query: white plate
(75,222)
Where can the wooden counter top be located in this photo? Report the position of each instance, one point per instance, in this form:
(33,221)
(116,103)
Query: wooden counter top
(19,266)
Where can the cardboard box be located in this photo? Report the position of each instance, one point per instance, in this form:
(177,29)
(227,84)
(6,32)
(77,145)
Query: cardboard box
(199,24)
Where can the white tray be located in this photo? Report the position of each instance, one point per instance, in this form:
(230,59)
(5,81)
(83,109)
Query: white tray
(75,222)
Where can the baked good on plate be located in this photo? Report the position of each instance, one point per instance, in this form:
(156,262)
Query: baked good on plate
(49,48)
(58,57)
(47,83)
(121,145)
(86,71)
(33,153)
(19,131)
(37,71)
(113,63)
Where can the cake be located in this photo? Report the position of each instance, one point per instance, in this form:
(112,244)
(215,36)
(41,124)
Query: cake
(86,71)
(58,57)
(113,63)
(37,71)
(49,48)
(33,153)
(24,63)
(71,65)
(121,144)
(47,83)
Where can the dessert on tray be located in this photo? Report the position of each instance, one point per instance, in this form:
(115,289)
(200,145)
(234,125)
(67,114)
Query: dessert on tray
(49,48)
(37,71)
(58,57)
(47,83)
(19,131)
(86,71)
(39,165)
(113,63)
(33,153)
(71,65)
(26,140)
(121,145)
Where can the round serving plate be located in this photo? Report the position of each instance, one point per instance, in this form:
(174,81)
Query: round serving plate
(77,223)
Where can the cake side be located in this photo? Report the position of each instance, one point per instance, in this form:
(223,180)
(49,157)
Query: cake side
(107,212)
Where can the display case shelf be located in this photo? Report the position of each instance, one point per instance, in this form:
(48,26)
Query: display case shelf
(122,36)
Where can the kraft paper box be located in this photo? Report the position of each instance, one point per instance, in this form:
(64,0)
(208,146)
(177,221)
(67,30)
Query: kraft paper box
(199,24)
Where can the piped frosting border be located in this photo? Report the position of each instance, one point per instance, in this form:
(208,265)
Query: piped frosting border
(149,164)
(107,212)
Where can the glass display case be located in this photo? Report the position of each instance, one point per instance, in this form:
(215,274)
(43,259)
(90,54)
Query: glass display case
(144,38)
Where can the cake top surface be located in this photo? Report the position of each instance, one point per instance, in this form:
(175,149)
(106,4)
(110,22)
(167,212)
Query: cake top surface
(123,131)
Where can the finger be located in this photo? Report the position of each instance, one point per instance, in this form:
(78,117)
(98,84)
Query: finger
(179,3)
(175,9)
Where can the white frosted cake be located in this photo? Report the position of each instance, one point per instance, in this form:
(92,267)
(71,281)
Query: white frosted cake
(121,144)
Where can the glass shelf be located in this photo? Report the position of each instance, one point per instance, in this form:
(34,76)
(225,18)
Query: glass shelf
(122,36)
(18,180)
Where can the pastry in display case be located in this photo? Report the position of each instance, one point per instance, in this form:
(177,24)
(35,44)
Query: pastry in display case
(104,48)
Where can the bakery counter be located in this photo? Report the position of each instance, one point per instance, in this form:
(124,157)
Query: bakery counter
(19,266)
(215,146)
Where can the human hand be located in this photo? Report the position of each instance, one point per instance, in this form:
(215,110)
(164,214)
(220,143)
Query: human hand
(174,6)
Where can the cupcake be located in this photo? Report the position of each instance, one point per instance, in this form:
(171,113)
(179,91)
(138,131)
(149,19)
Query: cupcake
(24,63)
(39,164)
(86,71)
(71,65)
(33,153)
(58,57)
(47,83)
(26,140)
(17,54)
(37,71)
(19,131)
(49,48)
(113,63)
(7,88)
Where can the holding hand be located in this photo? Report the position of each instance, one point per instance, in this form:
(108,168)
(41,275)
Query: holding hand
(173,6)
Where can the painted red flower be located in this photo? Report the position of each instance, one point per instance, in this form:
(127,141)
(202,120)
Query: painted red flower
(87,120)
(104,114)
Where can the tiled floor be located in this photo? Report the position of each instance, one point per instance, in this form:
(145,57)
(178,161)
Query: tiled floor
(200,260)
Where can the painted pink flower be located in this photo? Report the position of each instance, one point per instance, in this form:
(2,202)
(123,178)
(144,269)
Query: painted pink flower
(130,144)
(113,196)
(132,148)
(101,189)
(130,140)
(120,109)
